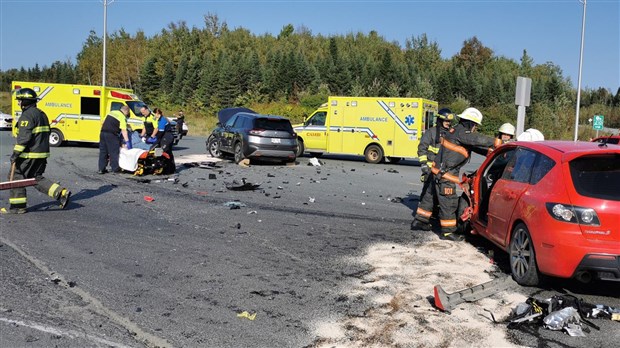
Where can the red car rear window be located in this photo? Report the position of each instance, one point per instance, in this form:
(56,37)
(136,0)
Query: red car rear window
(597,176)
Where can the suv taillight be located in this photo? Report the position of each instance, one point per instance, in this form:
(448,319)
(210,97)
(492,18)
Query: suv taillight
(256,131)
(573,214)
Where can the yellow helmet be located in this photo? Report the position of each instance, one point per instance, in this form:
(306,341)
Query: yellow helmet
(472,114)
(507,128)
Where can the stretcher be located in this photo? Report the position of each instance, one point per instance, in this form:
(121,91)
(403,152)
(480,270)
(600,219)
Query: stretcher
(145,162)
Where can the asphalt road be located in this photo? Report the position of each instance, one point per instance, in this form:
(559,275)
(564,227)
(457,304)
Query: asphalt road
(115,270)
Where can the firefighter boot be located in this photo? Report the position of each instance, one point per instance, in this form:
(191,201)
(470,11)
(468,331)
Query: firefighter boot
(64,198)
(417,225)
(455,237)
(13,211)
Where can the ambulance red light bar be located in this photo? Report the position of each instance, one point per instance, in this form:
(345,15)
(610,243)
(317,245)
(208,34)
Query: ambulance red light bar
(120,95)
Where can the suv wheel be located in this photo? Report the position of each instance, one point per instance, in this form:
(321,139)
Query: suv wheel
(213,147)
(300,148)
(238,153)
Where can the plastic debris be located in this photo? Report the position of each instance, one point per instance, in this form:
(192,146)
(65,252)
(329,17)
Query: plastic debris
(559,320)
(252,212)
(244,186)
(149,198)
(247,315)
(311,199)
(234,205)
(392,170)
(315,162)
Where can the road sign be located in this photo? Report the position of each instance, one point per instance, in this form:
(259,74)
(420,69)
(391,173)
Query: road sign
(597,122)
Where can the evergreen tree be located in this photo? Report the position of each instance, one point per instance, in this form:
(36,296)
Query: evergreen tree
(148,87)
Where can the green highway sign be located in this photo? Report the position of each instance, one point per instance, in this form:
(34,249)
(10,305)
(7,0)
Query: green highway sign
(597,122)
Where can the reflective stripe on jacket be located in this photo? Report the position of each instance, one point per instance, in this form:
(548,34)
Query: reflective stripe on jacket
(429,144)
(457,146)
(114,122)
(33,134)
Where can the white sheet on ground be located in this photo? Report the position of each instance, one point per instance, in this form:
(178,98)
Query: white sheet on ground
(128,159)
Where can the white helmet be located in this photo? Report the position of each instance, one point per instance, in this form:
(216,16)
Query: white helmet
(507,128)
(531,135)
(472,114)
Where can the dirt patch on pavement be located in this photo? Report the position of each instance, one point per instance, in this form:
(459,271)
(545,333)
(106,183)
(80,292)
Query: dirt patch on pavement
(397,290)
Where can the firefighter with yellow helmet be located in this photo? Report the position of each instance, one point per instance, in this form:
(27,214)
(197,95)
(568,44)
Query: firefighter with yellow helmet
(30,154)
(454,152)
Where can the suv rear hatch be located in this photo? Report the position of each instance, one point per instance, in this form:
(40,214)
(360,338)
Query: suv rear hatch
(278,129)
(596,183)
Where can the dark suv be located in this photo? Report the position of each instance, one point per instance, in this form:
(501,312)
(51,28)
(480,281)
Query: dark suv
(251,135)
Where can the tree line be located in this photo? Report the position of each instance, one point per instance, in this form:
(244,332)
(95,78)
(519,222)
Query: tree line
(205,69)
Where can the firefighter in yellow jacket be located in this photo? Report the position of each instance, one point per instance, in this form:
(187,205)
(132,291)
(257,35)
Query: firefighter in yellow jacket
(30,154)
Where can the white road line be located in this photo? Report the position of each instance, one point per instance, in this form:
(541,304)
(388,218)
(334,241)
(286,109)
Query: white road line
(64,333)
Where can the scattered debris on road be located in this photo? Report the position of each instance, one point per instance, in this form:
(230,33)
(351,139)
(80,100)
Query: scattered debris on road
(247,315)
(234,205)
(447,302)
(314,162)
(244,186)
(560,313)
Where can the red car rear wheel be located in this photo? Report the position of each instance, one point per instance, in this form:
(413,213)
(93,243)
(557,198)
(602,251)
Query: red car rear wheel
(522,257)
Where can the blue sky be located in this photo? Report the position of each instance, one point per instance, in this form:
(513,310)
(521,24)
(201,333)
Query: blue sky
(44,31)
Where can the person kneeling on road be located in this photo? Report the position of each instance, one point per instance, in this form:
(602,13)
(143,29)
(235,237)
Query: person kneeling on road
(29,158)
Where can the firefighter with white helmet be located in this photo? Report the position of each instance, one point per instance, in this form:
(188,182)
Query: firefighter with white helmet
(506,133)
(455,151)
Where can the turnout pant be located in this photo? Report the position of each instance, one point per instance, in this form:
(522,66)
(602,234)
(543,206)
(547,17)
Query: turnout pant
(109,145)
(28,168)
(428,200)
(448,204)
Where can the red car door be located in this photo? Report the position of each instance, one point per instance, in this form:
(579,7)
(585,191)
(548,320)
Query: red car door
(506,193)
(502,202)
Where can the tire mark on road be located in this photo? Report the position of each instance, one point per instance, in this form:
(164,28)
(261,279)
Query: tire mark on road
(94,304)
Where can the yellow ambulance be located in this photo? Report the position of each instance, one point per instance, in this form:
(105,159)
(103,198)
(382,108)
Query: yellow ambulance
(77,111)
(378,128)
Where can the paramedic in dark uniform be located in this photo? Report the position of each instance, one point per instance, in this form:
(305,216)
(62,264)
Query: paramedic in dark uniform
(30,154)
(114,125)
(427,150)
(163,134)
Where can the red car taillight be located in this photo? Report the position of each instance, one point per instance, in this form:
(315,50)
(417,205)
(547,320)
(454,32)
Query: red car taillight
(573,214)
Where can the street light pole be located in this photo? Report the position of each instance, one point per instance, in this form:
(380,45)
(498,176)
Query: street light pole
(583,31)
(105,36)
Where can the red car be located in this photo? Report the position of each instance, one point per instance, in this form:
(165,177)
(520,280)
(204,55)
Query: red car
(554,206)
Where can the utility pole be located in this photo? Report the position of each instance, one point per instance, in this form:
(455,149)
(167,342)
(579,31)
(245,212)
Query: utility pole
(105,36)
(583,31)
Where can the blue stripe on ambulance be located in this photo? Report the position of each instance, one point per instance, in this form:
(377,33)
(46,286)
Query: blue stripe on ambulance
(396,119)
